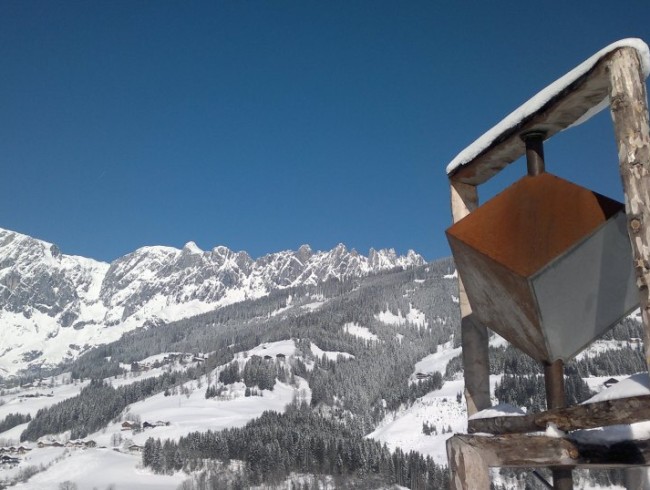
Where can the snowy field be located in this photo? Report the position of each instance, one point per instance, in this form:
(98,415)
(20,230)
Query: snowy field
(187,410)
(100,468)
(357,330)
(30,400)
(184,411)
(413,317)
(194,412)
(440,409)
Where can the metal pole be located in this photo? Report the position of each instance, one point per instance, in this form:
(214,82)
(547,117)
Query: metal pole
(534,141)
(554,384)
(554,372)
(556,398)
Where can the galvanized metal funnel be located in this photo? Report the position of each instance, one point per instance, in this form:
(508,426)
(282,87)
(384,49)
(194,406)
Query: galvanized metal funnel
(547,264)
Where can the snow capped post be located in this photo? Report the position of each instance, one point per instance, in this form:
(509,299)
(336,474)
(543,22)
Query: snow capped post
(548,264)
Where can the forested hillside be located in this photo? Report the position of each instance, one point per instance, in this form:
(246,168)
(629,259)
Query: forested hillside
(351,356)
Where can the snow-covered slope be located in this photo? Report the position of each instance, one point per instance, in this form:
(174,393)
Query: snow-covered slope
(116,459)
(54,306)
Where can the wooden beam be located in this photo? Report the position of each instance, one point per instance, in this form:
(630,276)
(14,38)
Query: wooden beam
(557,114)
(520,451)
(629,109)
(587,416)
(464,200)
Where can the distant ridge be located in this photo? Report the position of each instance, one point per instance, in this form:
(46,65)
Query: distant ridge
(54,306)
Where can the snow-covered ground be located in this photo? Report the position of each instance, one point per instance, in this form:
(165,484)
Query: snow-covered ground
(99,468)
(443,409)
(413,317)
(600,346)
(331,355)
(187,410)
(191,412)
(31,400)
(359,331)
(286,347)
(437,361)
(184,411)
(453,275)
(440,409)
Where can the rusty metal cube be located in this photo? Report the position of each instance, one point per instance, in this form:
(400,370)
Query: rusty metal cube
(547,264)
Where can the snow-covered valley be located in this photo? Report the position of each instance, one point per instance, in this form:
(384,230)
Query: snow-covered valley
(312,379)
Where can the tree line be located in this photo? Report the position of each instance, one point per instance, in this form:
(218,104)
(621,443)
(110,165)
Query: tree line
(299,440)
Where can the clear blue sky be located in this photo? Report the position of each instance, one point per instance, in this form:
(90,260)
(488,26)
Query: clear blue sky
(263,125)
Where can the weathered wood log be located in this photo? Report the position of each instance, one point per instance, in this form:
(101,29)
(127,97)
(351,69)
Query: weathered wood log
(523,450)
(587,416)
(518,450)
(629,109)
(464,200)
(560,113)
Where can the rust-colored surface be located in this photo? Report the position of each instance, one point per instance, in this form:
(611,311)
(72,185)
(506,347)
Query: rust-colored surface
(534,221)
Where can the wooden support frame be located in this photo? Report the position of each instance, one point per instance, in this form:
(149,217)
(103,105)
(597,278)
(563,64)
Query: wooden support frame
(534,451)
(619,74)
(562,110)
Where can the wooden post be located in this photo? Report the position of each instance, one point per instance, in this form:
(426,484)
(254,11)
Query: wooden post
(464,200)
(467,468)
(629,109)
(554,384)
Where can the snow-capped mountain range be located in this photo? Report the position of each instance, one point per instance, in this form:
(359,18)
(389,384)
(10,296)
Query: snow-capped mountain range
(54,306)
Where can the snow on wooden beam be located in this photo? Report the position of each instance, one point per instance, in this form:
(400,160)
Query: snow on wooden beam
(568,101)
(590,415)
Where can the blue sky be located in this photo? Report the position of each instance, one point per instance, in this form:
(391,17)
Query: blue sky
(265,125)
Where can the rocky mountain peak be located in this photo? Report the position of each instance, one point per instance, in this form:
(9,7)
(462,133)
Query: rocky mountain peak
(46,297)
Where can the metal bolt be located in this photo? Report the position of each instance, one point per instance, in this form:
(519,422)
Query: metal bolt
(635,225)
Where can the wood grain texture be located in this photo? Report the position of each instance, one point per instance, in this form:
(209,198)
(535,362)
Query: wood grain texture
(464,200)
(629,110)
(587,416)
(557,114)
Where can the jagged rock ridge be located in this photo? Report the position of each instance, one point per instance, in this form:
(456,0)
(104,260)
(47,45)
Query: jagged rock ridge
(54,306)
